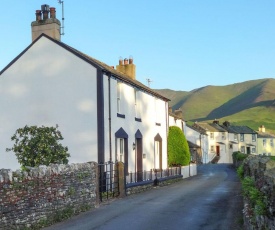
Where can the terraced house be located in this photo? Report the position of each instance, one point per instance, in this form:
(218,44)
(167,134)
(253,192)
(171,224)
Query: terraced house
(244,138)
(104,113)
(217,139)
(265,142)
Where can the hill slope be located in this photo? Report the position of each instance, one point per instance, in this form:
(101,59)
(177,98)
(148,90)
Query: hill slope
(248,103)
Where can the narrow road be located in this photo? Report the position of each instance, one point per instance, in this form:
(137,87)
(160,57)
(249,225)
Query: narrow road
(209,201)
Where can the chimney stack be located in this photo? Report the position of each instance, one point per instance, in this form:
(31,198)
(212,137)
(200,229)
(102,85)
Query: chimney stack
(178,113)
(49,26)
(127,67)
(262,129)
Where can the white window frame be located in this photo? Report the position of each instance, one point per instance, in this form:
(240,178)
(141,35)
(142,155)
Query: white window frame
(121,149)
(211,136)
(241,137)
(242,149)
(212,148)
(235,137)
(264,142)
(137,107)
(253,137)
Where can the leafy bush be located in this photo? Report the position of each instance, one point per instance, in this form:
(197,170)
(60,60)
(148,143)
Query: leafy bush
(36,146)
(240,172)
(238,156)
(178,149)
(256,198)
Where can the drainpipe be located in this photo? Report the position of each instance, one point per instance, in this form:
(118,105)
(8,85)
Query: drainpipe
(110,121)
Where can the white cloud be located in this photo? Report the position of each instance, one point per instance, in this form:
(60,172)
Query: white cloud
(17,90)
(86,106)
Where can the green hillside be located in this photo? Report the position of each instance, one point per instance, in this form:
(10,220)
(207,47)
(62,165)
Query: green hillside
(249,103)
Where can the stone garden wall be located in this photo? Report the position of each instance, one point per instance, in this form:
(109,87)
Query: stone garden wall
(262,170)
(46,194)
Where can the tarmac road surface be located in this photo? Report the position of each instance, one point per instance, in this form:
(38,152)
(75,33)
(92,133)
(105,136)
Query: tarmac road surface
(210,201)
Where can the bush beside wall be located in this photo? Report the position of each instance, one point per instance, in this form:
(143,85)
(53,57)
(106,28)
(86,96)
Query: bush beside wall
(259,200)
(46,194)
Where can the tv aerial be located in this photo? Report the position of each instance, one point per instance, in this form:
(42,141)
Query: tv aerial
(148,81)
(62,27)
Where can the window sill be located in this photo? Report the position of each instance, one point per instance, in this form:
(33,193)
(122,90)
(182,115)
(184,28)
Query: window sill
(138,119)
(121,115)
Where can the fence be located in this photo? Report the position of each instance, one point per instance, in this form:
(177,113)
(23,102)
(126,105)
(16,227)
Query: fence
(108,180)
(134,177)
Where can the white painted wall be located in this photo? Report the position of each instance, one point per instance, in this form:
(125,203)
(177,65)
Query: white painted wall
(200,140)
(176,122)
(149,114)
(47,86)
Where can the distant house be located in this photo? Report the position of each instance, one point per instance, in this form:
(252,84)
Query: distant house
(104,114)
(241,138)
(176,119)
(265,142)
(217,141)
(197,136)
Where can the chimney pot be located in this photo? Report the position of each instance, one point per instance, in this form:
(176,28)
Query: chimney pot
(38,15)
(125,61)
(120,61)
(45,10)
(131,60)
(52,12)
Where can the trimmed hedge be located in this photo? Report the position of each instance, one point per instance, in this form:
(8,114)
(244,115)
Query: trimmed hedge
(178,149)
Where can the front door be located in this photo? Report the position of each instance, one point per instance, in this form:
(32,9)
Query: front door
(139,158)
(218,151)
(248,150)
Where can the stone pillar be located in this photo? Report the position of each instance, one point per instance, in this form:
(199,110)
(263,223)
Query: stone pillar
(121,179)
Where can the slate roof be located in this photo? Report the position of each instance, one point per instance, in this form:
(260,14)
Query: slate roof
(211,127)
(193,145)
(197,129)
(239,129)
(96,63)
(265,135)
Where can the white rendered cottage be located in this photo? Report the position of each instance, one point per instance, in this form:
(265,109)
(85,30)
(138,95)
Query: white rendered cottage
(104,114)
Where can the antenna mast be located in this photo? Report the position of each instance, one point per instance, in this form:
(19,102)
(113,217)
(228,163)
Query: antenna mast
(148,82)
(62,27)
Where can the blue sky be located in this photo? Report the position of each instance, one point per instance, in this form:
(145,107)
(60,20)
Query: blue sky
(178,44)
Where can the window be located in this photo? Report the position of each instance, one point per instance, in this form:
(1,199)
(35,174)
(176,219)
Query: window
(212,136)
(264,142)
(231,146)
(271,143)
(157,115)
(242,137)
(253,137)
(212,148)
(242,149)
(137,107)
(253,150)
(223,136)
(118,97)
(235,137)
(121,149)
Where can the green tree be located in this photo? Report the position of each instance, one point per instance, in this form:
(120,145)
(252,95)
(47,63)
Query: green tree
(178,149)
(36,146)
